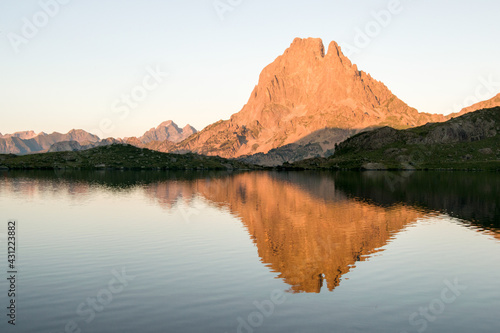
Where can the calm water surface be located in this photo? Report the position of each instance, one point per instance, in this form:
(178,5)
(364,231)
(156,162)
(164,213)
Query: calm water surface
(253,252)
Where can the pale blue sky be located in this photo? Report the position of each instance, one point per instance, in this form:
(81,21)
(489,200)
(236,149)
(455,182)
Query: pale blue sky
(69,74)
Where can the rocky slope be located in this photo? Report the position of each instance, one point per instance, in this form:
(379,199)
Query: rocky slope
(318,144)
(470,141)
(313,145)
(470,127)
(304,91)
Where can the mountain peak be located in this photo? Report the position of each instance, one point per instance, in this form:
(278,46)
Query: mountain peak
(334,51)
(189,128)
(167,130)
(167,124)
(307,45)
(306,96)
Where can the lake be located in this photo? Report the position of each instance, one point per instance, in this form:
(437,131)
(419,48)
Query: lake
(252,251)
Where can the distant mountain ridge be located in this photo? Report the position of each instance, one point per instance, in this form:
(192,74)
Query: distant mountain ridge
(27,142)
(25,135)
(168,131)
(15,144)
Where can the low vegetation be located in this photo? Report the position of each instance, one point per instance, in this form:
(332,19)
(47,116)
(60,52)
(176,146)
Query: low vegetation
(469,142)
(119,157)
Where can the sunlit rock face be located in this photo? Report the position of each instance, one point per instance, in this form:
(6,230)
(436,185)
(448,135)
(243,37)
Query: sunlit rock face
(307,95)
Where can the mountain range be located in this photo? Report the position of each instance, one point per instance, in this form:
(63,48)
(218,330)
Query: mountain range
(306,102)
(28,142)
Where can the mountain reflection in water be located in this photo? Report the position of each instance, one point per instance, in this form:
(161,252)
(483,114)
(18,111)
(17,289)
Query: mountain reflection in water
(309,228)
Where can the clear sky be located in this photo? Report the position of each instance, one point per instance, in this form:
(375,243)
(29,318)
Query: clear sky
(69,63)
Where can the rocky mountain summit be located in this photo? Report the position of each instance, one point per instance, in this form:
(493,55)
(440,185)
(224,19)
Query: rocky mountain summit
(168,131)
(306,91)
